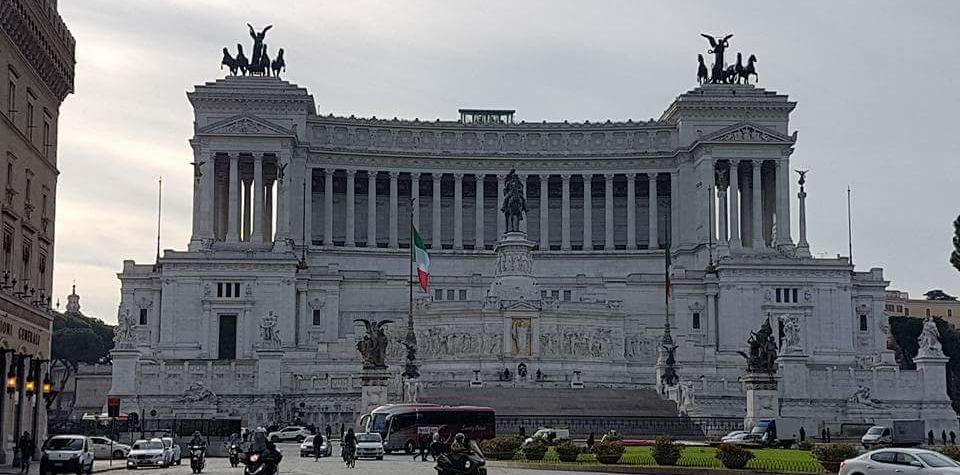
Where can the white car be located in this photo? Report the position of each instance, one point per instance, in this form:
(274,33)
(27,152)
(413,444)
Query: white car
(148,453)
(173,451)
(734,434)
(105,448)
(900,462)
(741,438)
(67,453)
(297,433)
(369,445)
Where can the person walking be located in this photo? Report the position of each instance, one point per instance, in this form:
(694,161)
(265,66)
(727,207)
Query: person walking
(423,443)
(341,431)
(523,432)
(953,438)
(943,437)
(317,445)
(26,448)
(828,435)
(803,434)
(590,441)
(930,437)
(329,432)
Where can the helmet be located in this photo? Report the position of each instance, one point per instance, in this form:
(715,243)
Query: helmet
(196,433)
(460,437)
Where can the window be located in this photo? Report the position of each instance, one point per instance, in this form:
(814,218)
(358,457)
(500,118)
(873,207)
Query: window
(696,320)
(26,258)
(928,312)
(12,77)
(906,311)
(906,459)
(949,312)
(43,205)
(228,289)
(787,295)
(543,294)
(884,457)
(9,174)
(42,268)
(451,294)
(30,116)
(317,317)
(46,139)
(29,188)
(7,250)
(462,294)
(863,323)
(143,316)
(438,294)
(555,294)
(567,295)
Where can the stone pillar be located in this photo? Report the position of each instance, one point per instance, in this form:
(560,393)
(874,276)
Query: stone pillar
(203,197)
(722,235)
(283,199)
(608,243)
(328,207)
(435,242)
(545,212)
(269,369)
(415,198)
(501,219)
(373,392)
(268,212)
(709,208)
(565,212)
(734,195)
(478,220)
(257,234)
(371,208)
(653,239)
(674,238)
(803,247)
(233,191)
(631,211)
(247,203)
(783,203)
(351,208)
(523,222)
(458,210)
(763,400)
(587,212)
(756,211)
(126,366)
(394,210)
(794,374)
(307,235)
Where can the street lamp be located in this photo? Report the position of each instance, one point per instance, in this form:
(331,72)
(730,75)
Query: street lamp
(11,381)
(30,385)
(47,387)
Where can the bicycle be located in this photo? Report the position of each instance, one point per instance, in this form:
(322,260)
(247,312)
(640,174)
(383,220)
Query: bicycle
(349,457)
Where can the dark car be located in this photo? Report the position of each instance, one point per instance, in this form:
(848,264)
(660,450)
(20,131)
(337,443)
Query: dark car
(307,449)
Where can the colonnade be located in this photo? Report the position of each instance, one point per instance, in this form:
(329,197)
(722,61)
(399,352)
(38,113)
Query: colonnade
(342,184)
(238,197)
(752,204)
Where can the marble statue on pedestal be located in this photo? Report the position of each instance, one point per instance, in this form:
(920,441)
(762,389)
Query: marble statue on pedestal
(929,341)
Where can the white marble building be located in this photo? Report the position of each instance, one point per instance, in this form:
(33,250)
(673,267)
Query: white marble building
(709,179)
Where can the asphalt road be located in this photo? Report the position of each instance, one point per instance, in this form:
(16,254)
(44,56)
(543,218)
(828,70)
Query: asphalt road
(293,464)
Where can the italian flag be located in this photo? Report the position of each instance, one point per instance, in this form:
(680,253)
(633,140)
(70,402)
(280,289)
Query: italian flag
(422,259)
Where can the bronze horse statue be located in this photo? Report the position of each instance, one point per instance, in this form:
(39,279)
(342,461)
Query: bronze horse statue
(514,203)
(278,64)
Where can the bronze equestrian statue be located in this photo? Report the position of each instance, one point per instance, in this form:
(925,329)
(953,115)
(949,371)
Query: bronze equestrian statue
(514,204)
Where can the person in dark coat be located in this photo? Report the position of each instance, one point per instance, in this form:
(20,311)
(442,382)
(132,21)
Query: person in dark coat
(828,435)
(328,431)
(943,437)
(953,438)
(823,434)
(523,432)
(26,447)
(803,434)
(590,441)
(930,437)
(317,445)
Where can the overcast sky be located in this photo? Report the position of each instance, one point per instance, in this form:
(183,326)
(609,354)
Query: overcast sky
(875,82)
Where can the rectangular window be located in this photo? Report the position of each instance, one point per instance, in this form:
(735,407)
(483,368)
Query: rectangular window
(863,323)
(317,317)
(543,294)
(229,290)
(236,289)
(7,250)
(438,294)
(42,268)
(906,311)
(463,294)
(794,295)
(30,117)
(696,320)
(555,294)
(46,139)
(28,188)
(451,294)
(26,258)
(12,96)
(567,295)
(143,316)
(928,312)
(778,296)
(219,289)
(9,174)
(949,312)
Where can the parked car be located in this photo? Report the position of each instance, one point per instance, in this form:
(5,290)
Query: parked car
(901,432)
(900,461)
(369,445)
(148,453)
(67,453)
(173,450)
(733,435)
(297,433)
(744,438)
(104,448)
(307,448)
(550,436)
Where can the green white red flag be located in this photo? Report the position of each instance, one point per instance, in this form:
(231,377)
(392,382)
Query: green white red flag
(422,259)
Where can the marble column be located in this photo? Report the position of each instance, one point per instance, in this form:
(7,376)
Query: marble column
(734,196)
(307,235)
(328,207)
(351,208)
(458,210)
(544,212)
(247,203)
(415,200)
(283,197)
(371,208)
(653,239)
(501,219)
(268,211)
(257,235)
(631,211)
(757,208)
(203,197)
(233,212)
(608,243)
(435,243)
(394,210)
(478,220)
(722,236)
(803,247)
(710,182)
(523,222)
(674,238)
(565,212)
(587,213)
(783,203)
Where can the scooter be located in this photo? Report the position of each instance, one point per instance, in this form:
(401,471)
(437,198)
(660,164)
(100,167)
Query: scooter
(233,453)
(197,458)
(467,463)
(262,463)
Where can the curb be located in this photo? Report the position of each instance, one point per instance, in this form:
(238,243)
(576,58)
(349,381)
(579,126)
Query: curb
(628,469)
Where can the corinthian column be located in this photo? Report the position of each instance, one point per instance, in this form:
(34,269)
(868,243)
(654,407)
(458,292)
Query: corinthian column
(608,243)
(587,213)
(233,213)
(757,211)
(478,220)
(435,243)
(394,211)
(734,196)
(257,235)
(544,212)
(328,207)
(351,205)
(458,210)
(565,212)
(631,211)
(783,203)
(653,238)
(371,208)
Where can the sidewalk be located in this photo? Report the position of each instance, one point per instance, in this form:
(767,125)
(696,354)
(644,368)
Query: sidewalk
(99,466)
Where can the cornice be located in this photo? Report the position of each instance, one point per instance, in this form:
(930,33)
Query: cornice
(25,31)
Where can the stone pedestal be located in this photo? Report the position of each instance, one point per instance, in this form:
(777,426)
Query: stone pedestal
(269,368)
(513,277)
(763,401)
(373,393)
(794,374)
(126,364)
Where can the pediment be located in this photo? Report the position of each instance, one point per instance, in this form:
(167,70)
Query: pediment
(245,125)
(748,133)
(521,305)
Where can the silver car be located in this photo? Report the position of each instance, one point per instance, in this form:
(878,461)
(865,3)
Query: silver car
(900,462)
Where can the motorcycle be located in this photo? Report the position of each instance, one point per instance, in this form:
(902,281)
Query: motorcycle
(233,453)
(197,458)
(262,463)
(471,462)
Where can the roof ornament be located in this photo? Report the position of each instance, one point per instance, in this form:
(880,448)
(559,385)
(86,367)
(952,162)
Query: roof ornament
(720,73)
(260,64)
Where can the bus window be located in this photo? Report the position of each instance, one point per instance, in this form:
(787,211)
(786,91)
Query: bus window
(403,421)
(378,423)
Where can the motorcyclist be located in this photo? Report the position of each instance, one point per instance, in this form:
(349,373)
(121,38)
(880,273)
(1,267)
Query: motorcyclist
(262,451)
(459,449)
(198,440)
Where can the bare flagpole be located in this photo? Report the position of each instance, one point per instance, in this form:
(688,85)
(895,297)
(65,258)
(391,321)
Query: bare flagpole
(159,211)
(849,228)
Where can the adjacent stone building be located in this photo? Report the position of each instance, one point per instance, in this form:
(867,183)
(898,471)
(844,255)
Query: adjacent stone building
(37,57)
(307,218)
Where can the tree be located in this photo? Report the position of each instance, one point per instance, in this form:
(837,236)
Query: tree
(955,255)
(906,330)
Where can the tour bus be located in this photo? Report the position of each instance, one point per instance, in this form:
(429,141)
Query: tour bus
(401,424)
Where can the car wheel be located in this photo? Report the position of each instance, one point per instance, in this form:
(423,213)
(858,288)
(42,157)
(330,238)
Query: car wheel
(274,439)
(409,448)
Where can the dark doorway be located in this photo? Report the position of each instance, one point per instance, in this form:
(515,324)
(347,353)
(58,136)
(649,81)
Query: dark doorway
(228,337)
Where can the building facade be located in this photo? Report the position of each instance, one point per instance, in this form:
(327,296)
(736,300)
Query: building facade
(302,225)
(38,53)
(899,303)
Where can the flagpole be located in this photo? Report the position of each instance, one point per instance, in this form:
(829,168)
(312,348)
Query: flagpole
(411,371)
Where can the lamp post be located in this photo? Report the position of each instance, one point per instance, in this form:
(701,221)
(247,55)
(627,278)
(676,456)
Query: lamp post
(11,378)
